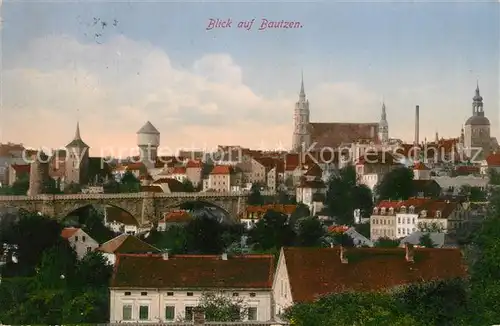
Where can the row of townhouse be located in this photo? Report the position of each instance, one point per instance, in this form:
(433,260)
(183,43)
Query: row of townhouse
(397,219)
(168,288)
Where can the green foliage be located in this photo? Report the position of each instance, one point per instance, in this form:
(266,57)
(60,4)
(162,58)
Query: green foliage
(271,231)
(204,235)
(255,197)
(173,239)
(386,243)
(188,186)
(426,241)
(73,188)
(396,185)
(219,307)
(129,183)
(310,232)
(46,298)
(19,187)
(363,229)
(494,177)
(92,222)
(344,195)
(340,239)
(473,193)
(302,210)
(111,187)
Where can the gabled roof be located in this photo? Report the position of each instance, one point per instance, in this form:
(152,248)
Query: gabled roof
(493,159)
(67,233)
(194,164)
(127,244)
(180,216)
(222,169)
(315,272)
(193,271)
(173,185)
(148,128)
(21,168)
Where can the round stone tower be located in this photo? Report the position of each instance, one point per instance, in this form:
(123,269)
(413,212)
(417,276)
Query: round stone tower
(148,140)
(39,174)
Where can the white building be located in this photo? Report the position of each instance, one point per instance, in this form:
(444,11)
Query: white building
(80,241)
(163,288)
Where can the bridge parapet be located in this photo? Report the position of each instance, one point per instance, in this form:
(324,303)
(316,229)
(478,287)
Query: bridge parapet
(194,195)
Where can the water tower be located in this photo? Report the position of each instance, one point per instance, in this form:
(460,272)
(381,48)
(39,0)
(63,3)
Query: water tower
(148,140)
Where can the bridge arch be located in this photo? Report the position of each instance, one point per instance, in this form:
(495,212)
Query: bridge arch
(67,211)
(200,204)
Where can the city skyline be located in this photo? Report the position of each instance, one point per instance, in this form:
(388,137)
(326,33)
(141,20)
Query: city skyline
(201,88)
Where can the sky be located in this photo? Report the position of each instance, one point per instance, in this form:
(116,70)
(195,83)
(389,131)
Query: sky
(157,61)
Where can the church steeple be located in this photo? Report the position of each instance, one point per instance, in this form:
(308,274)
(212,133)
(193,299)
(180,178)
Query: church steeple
(302,94)
(77,141)
(383,126)
(77,133)
(477,103)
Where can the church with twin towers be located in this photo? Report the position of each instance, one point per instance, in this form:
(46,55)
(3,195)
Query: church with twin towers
(475,135)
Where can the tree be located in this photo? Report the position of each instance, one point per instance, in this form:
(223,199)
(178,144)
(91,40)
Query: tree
(51,187)
(494,177)
(310,232)
(91,306)
(129,183)
(204,236)
(93,270)
(396,185)
(187,185)
(173,239)
(92,222)
(21,185)
(426,241)
(219,307)
(33,234)
(111,187)
(73,188)
(255,197)
(340,239)
(344,195)
(271,231)
(57,266)
(300,211)
(386,243)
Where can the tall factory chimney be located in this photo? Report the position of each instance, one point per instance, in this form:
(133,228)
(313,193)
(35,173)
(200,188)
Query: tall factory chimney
(417,126)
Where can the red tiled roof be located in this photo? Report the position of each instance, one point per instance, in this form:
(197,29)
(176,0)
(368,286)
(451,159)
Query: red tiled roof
(221,169)
(126,244)
(21,168)
(337,228)
(493,159)
(194,164)
(446,207)
(179,170)
(67,233)
(285,209)
(193,271)
(334,134)
(468,169)
(420,167)
(292,161)
(180,216)
(135,166)
(173,185)
(367,269)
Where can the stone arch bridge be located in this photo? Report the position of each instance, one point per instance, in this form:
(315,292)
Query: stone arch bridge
(146,207)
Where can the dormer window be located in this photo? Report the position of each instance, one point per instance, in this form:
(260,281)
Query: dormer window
(412,209)
(438,214)
(391,210)
(382,211)
(403,209)
(423,213)
(375,210)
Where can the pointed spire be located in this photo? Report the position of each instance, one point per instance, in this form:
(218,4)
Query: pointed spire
(384,114)
(77,133)
(302,91)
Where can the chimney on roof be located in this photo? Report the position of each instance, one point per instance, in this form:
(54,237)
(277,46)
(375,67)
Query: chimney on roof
(410,252)
(343,258)
(164,255)
(224,256)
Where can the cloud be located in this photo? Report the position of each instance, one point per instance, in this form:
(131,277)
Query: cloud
(118,85)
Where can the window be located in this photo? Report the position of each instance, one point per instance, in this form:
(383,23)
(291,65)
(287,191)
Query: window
(127,312)
(188,313)
(170,294)
(189,294)
(403,209)
(252,313)
(412,209)
(89,249)
(399,231)
(399,219)
(144,293)
(169,312)
(76,238)
(143,312)
(127,293)
(252,295)
(438,214)
(236,294)
(83,238)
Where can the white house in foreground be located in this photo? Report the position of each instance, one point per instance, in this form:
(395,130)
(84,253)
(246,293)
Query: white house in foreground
(163,288)
(80,241)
